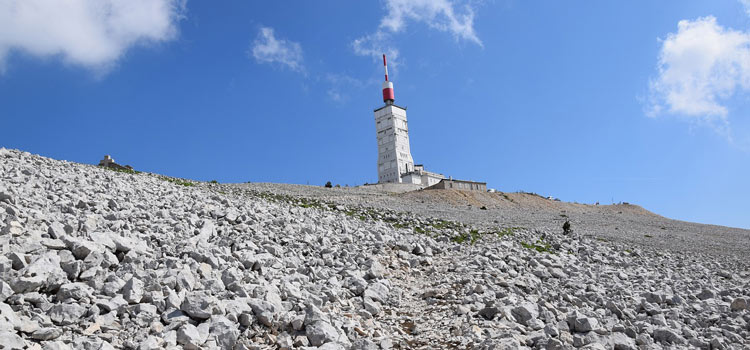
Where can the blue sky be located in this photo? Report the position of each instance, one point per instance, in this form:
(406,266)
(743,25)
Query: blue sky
(637,101)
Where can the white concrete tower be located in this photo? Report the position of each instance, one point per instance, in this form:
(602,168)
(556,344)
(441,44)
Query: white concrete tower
(394,154)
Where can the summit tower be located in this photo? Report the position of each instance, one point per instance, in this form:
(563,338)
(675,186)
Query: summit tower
(392,132)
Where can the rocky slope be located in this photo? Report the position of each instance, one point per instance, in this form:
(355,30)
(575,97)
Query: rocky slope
(624,223)
(97,259)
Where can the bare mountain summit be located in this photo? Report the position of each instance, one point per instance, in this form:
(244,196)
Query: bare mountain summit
(94,258)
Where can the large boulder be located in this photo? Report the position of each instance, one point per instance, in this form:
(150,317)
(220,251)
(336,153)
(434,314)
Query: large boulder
(200,305)
(525,312)
(66,314)
(43,274)
(321,332)
(11,341)
(224,332)
(190,337)
(132,291)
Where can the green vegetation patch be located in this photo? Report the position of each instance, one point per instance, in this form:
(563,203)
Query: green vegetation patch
(540,246)
(472,237)
(532,194)
(508,231)
(178,181)
(124,170)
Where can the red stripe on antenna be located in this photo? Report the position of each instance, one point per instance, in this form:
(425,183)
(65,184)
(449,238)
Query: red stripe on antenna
(385,64)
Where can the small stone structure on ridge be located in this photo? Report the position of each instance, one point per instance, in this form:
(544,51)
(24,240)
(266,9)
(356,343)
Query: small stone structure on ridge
(108,162)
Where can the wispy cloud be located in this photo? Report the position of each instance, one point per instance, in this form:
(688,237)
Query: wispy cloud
(341,85)
(268,49)
(89,33)
(442,15)
(746,3)
(344,80)
(335,95)
(700,68)
(437,14)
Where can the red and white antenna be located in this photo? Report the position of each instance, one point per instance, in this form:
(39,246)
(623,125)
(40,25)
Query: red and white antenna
(388,96)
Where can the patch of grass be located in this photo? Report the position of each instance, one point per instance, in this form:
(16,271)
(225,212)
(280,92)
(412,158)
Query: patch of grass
(442,224)
(540,246)
(213,182)
(126,171)
(475,235)
(178,181)
(431,227)
(628,251)
(532,194)
(648,236)
(472,237)
(461,238)
(509,231)
(601,239)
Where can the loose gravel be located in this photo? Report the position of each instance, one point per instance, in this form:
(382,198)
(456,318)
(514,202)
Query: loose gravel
(98,259)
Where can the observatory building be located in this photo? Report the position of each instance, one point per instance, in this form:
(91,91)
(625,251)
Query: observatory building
(395,164)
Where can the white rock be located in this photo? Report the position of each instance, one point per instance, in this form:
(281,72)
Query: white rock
(55,345)
(132,291)
(8,318)
(376,270)
(364,344)
(200,305)
(66,314)
(44,272)
(525,312)
(321,332)
(376,291)
(74,291)
(224,331)
(189,337)
(620,341)
(11,341)
(5,291)
(47,333)
(13,228)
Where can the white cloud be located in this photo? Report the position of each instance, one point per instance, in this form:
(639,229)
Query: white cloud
(437,14)
(345,80)
(90,33)
(268,49)
(335,95)
(441,15)
(746,3)
(341,86)
(375,45)
(701,67)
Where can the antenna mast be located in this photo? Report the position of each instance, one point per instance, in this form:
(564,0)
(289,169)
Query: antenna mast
(388,95)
